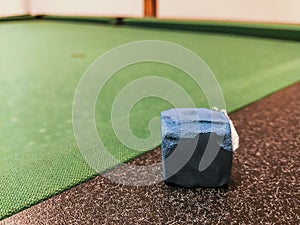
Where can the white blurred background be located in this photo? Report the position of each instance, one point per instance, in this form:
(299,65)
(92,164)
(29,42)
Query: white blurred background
(275,11)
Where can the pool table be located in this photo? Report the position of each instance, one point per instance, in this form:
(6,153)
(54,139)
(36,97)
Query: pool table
(42,61)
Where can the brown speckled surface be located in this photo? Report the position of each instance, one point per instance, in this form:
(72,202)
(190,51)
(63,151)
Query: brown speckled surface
(265,186)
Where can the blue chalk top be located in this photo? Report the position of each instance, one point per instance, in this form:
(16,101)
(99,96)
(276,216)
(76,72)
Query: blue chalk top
(194,114)
(188,122)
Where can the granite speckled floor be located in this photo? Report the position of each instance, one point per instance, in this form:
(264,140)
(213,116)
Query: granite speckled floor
(265,187)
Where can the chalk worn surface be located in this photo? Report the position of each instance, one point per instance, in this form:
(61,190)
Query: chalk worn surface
(264,190)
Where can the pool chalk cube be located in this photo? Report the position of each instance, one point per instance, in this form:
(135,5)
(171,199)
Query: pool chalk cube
(196,147)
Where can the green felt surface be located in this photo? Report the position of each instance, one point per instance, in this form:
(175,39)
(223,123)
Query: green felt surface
(41,63)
